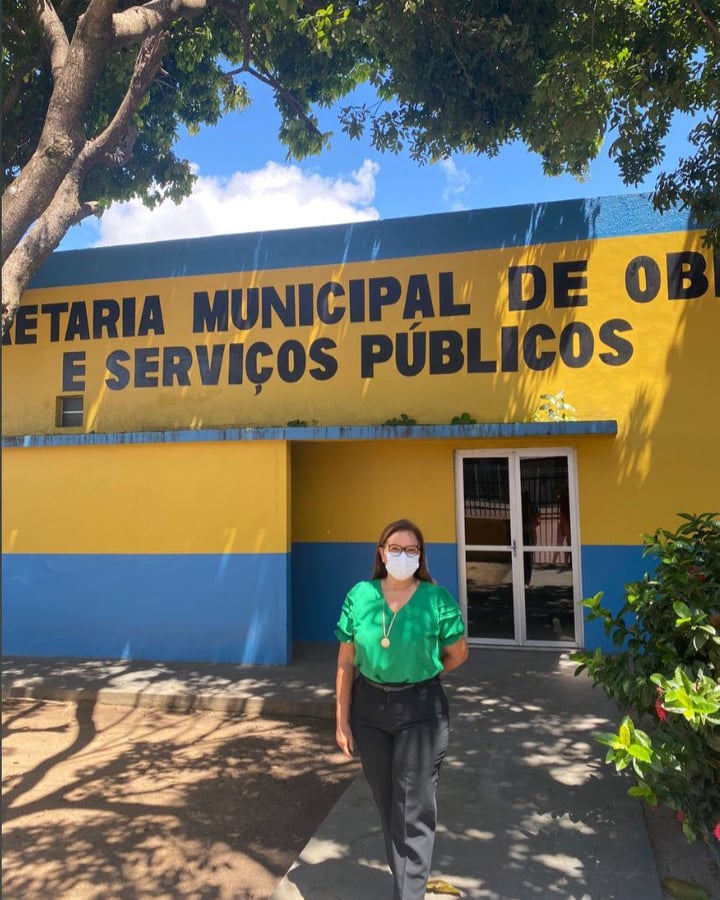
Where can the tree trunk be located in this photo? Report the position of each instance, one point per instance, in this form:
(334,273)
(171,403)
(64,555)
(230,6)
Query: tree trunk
(63,135)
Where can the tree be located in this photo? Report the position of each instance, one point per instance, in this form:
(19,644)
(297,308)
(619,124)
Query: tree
(558,76)
(95,92)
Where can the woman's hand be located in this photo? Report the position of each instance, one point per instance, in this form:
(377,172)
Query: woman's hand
(344,738)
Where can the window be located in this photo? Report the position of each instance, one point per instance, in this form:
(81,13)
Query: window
(69,412)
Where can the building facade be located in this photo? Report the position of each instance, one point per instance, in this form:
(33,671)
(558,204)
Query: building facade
(202,439)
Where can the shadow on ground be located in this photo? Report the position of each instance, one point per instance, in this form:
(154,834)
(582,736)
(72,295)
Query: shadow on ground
(104,801)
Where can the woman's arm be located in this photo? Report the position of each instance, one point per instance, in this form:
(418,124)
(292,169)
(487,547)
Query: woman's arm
(454,655)
(343,694)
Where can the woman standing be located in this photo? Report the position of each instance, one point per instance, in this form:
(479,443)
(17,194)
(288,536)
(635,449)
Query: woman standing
(400,630)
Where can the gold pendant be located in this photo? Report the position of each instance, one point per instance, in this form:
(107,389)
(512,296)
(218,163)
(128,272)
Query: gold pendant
(385,642)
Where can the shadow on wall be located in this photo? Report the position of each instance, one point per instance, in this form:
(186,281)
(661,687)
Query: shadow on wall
(667,448)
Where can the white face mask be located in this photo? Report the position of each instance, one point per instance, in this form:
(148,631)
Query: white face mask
(403,566)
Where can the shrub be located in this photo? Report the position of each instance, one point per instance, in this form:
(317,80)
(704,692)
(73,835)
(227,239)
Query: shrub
(665,673)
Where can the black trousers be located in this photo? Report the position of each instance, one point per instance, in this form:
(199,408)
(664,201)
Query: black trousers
(402,737)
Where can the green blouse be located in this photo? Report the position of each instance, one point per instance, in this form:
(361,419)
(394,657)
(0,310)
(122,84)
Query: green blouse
(429,621)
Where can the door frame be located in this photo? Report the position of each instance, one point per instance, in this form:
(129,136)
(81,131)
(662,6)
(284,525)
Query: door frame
(516,548)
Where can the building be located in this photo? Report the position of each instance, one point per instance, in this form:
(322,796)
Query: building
(202,439)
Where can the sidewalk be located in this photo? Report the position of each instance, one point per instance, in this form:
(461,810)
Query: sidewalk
(527,807)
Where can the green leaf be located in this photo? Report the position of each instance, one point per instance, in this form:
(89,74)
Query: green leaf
(640,752)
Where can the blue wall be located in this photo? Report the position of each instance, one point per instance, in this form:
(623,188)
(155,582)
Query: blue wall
(200,608)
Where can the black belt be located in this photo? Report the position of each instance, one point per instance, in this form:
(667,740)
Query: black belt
(393,687)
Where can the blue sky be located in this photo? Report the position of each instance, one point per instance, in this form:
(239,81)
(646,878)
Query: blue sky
(246,183)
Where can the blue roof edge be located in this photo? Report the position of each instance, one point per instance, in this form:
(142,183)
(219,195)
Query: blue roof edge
(383,239)
(321,433)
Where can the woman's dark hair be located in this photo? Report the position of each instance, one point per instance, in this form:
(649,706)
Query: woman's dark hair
(379,570)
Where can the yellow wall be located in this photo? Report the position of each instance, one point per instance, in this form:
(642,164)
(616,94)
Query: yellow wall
(655,389)
(348,491)
(150,498)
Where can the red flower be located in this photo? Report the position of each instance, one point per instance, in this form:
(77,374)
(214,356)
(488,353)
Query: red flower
(680,815)
(661,714)
(717,831)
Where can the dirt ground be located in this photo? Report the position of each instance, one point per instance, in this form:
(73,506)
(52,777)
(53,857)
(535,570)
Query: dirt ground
(113,802)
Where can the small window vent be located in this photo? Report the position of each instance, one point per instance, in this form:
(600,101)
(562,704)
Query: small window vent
(69,412)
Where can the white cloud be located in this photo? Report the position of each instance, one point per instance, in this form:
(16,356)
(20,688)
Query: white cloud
(457,181)
(276,196)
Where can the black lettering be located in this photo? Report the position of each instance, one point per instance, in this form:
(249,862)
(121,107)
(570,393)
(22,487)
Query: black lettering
(538,284)
(382,292)
(686,275)
(642,279)
(54,310)
(254,351)
(305,304)
(446,352)
(576,345)
(177,362)
(374,349)
(402,352)
(534,358)
(121,376)
(356,295)
(147,365)
(208,365)
(609,336)
(73,371)
(509,346)
(569,277)
(26,324)
(291,361)
(128,317)
(475,362)
(152,317)
(236,354)
(448,306)
(418,298)
(271,302)
(244,316)
(105,315)
(77,325)
(325,314)
(327,364)
(207,316)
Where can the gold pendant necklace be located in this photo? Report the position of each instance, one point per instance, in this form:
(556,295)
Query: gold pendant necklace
(385,641)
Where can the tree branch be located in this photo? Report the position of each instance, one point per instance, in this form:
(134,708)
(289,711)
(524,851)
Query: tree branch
(18,82)
(281,90)
(53,32)
(12,25)
(711,26)
(114,145)
(139,22)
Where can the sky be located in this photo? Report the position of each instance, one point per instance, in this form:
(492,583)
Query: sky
(245,183)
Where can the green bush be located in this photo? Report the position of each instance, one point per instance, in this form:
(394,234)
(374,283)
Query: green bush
(665,673)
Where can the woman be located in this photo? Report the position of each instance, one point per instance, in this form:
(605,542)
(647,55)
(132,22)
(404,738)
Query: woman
(400,630)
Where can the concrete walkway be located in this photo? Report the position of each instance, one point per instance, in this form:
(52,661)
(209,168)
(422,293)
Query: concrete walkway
(527,807)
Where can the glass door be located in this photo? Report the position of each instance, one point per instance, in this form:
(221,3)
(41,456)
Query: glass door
(517,539)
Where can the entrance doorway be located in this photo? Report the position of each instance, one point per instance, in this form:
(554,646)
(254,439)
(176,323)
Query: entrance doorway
(518,547)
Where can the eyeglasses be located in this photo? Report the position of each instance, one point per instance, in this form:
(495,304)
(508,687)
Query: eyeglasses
(395,550)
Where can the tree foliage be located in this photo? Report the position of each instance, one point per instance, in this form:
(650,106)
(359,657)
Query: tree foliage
(95,92)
